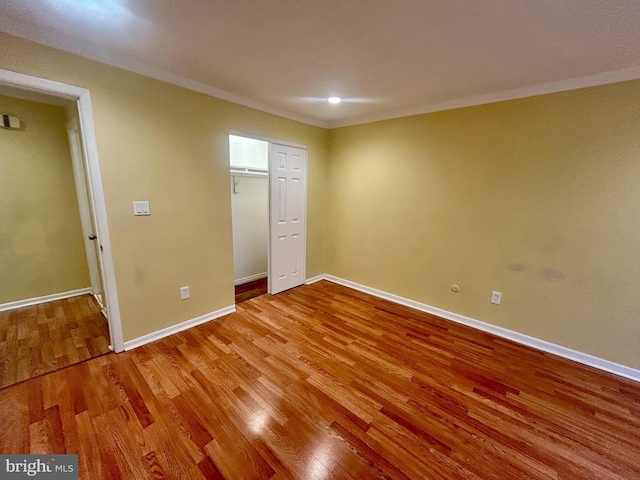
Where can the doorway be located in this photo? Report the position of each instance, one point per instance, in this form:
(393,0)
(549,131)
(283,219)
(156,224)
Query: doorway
(83,149)
(268,189)
(50,315)
(249,163)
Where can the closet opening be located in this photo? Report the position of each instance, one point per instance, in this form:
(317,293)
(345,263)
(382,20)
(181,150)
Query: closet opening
(249,167)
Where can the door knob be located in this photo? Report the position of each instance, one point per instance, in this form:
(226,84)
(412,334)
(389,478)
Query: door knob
(92,237)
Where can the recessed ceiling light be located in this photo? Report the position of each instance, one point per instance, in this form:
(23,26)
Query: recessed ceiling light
(334,99)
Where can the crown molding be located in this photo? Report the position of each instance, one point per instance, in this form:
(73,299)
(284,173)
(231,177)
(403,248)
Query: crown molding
(196,86)
(80,49)
(513,94)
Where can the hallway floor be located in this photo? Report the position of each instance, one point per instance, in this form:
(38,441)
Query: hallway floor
(43,338)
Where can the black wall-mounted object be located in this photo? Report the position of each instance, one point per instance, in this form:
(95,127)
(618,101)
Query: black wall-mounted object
(10,122)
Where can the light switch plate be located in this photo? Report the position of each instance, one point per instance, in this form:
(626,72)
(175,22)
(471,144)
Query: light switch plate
(141,207)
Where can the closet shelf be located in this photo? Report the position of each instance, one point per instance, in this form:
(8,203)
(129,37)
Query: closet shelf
(248,172)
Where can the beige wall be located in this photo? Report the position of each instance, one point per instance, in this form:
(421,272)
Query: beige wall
(169,145)
(41,244)
(538,198)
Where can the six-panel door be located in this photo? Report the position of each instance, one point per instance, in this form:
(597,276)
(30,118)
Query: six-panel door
(288,177)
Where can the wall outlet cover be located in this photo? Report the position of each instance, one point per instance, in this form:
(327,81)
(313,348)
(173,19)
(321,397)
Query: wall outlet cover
(184,293)
(496,298)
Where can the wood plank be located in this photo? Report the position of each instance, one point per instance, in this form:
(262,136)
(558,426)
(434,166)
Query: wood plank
(43,338)
(250,290)
(321,382)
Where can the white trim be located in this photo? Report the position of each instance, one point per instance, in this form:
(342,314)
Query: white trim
(85,113)
(523,92)
(538,344)
(315,279)
(255,136)
(219,93)
(46,298)
(250,278)
(165,332)
(40,85)
(77,48)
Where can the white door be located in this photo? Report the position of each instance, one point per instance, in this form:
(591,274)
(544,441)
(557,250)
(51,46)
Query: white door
(91,242)
(288,205)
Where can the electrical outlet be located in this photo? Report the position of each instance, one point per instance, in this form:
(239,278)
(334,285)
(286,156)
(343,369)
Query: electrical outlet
(496,298)
(184,293)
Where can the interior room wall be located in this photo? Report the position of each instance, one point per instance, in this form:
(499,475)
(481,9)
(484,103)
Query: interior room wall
(170,145)
(250,208)
(538,198)
(41,245)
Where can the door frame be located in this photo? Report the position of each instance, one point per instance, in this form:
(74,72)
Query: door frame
(82,97)
(277,141)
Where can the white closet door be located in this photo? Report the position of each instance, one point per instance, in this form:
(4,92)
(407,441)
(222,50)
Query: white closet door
(287,245)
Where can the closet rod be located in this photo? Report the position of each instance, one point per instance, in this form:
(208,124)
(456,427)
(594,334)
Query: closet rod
(249,173)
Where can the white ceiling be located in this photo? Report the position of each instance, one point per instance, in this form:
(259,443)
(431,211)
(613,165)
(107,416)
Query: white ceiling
(385,57)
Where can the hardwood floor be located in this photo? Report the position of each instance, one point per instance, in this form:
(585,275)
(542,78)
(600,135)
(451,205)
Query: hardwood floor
(48,336)
(250,290)
(325,382)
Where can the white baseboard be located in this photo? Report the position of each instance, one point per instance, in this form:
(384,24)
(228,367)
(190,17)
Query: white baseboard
(46,298)
(250,278)
(165,332)
(315,279)
(580,357)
